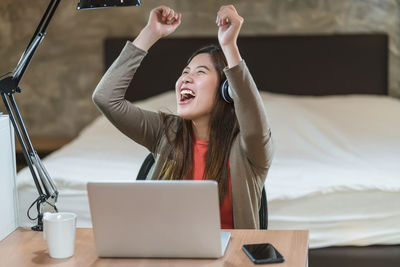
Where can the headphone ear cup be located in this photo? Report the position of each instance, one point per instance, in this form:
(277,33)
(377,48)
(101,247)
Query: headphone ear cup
(225,92)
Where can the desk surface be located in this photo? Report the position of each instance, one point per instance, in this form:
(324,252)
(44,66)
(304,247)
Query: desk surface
(27,248)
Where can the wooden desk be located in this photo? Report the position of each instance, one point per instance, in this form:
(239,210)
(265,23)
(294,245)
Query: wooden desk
(27,248)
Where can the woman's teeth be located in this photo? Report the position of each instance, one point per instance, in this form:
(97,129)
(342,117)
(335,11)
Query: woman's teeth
(186,94)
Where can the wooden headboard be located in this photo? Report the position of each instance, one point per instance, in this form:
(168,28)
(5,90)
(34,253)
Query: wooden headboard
(297,64)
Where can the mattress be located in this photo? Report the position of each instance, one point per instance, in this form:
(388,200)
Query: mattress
(335,170)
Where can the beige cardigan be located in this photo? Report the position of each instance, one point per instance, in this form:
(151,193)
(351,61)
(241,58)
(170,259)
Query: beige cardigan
(251,153)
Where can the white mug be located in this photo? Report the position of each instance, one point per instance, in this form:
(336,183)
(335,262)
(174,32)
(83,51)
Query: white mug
(59,231)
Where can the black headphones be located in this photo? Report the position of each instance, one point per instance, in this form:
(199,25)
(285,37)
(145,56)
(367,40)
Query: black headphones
(226,92)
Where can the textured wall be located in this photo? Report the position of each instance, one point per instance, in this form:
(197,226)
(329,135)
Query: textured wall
(57,87)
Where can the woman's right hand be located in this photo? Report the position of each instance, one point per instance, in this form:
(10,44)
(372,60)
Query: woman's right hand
(162,22)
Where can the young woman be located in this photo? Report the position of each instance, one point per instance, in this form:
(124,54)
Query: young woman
(209,138)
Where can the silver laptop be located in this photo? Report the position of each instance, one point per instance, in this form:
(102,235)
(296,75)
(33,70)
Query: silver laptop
(168,219)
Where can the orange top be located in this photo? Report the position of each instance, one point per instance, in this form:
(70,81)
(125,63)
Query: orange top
(200,148)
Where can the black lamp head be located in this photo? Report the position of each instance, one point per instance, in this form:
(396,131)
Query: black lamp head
(95,4)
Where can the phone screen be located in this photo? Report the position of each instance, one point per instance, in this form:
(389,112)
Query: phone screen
(263,253)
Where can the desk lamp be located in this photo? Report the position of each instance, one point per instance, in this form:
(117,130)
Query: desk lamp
(9,84)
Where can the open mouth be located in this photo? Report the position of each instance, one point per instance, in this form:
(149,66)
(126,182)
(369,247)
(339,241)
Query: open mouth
(187,95)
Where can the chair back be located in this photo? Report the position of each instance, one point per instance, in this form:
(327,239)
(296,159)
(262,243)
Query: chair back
(146,167)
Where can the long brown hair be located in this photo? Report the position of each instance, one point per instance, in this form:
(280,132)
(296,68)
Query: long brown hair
(223,129)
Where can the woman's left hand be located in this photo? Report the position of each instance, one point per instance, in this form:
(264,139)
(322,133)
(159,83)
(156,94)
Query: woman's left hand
(229,23)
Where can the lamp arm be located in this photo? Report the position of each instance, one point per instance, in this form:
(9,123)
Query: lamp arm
(8,86)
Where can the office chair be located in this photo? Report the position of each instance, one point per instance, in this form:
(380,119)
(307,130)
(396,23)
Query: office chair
(262,213)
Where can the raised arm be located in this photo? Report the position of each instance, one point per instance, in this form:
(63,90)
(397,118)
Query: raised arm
(255,134)
(140,125)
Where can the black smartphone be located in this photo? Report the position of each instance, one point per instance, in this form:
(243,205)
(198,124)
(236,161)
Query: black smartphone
(263,253)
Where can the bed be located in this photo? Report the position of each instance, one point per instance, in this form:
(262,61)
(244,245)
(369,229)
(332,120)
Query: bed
(336,168)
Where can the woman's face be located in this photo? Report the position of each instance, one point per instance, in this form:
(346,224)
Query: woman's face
(196,88)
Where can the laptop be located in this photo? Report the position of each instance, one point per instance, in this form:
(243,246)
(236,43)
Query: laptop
(157,219)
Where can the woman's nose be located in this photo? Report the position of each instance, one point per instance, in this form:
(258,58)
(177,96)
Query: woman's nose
(187,79)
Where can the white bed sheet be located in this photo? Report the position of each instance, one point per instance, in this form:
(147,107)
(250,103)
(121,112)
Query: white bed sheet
(335,170)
